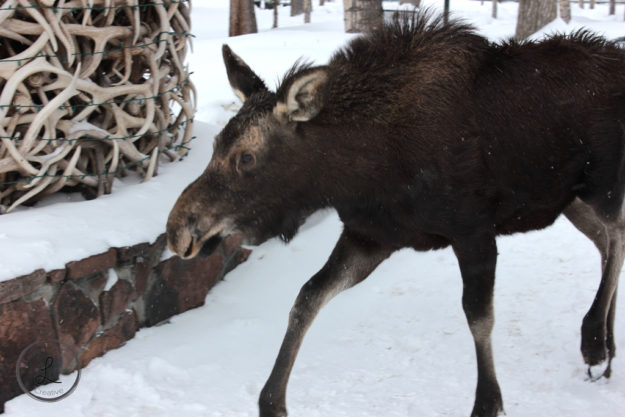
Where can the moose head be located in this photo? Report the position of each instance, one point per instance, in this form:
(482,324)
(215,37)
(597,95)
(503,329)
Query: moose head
(255,181)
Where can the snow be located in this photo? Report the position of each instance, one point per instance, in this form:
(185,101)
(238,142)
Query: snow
(111,279)
(395,345)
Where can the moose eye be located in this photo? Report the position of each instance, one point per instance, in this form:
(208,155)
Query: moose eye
(247,158)
(246,161)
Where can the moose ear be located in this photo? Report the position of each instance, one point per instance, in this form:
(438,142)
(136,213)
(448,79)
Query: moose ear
(304,95)
(242,79)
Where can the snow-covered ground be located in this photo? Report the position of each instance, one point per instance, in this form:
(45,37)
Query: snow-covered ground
(396,345)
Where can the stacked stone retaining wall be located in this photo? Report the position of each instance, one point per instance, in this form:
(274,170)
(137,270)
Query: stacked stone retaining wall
(98,303)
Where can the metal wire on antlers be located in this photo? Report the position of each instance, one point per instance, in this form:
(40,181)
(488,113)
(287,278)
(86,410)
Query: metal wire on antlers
(90,90)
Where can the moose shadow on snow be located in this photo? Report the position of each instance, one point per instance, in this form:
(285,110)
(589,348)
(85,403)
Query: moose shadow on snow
(423,134)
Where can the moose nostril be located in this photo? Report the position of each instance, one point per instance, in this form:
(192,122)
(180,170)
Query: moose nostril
(189,250)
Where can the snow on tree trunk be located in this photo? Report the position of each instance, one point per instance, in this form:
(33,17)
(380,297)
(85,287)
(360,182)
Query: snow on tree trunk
(242,17)
(565,10)
(533,15)
(297,7)
(362,15)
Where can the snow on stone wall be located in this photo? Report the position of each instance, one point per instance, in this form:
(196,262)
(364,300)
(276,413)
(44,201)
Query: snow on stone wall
(98,303)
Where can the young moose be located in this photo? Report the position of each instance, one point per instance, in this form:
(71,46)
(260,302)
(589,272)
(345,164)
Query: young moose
(423,135)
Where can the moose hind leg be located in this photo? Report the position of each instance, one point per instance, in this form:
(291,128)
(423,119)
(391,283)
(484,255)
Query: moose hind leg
(597,344)
(477,258)
(352,260)
(611,345)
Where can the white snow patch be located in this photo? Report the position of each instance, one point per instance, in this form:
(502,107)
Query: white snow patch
(111,279)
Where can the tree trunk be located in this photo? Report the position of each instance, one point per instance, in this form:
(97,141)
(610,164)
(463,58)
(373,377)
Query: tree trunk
(533,15)
(363,15)
(415,3)
(581,4)
(242,17)
(565,10)
(307,10)
(494,12)
(592,4)
(612,7)
(275,14)
(297,7)
(322,2)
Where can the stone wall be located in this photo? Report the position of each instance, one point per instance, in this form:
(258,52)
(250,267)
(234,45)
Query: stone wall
(75,305)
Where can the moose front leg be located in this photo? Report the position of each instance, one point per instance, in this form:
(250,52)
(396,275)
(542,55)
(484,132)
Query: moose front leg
(477,257)
(351,261)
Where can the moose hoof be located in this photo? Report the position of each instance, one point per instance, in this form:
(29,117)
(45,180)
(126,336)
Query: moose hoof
(594,342)
(595,352)
(270,406)
(488,401)
(490,412)
(272,412)
(491,407)
(603,370)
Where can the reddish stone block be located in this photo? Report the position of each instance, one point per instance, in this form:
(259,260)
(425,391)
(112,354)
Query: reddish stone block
(33,281)
(10,290)
(76,318)
(242,255)
(57,275)
(115,301)
(181,285)
(110,339)
(92,264)
(239,256)
(94,283)
(142,272)
(153,256)
(21,324)
(18,287)
(231,243)
(127,254)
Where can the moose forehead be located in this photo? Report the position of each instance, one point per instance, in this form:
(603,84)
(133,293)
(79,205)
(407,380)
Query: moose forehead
(246,125)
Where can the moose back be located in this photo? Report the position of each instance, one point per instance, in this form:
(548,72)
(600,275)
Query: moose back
(423,134)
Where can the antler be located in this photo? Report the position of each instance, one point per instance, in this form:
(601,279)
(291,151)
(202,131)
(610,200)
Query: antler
(85,97)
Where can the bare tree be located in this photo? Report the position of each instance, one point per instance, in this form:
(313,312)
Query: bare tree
(565,10)
(242,17)
(362,15)
(297,7)
(307,10)
(533,15)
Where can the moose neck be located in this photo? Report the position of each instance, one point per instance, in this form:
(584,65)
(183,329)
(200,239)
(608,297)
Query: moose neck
(345,164)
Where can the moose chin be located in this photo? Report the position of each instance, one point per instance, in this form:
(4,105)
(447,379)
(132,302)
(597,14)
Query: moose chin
(423,134)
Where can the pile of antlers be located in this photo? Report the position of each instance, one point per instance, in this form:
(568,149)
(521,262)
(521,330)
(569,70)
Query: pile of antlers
(90,90)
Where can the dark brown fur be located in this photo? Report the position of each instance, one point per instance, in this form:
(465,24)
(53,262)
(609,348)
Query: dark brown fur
(423,135)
